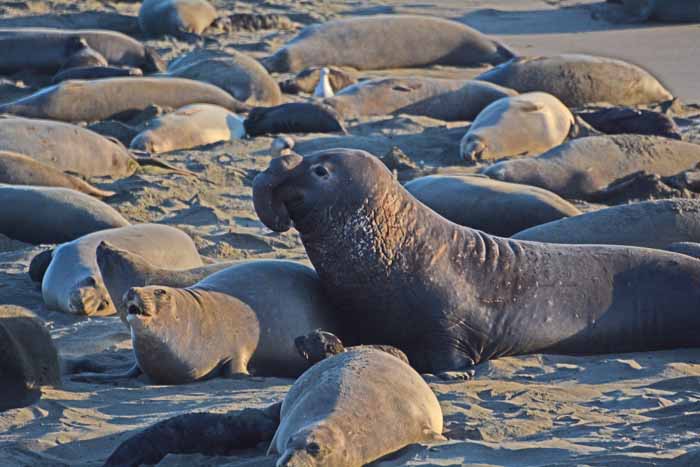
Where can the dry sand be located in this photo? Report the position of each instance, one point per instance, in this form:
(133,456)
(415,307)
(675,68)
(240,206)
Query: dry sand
(613,410)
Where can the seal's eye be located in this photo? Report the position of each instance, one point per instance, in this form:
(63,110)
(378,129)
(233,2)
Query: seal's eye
(159,292)
(320,171)
(313,448)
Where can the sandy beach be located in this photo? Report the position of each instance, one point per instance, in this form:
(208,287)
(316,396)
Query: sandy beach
(640,409)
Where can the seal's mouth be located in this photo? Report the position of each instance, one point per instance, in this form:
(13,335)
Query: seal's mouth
(136,310)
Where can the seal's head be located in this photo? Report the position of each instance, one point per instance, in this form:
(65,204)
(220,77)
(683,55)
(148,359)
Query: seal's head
(90,297)
(144,304)
(121,270)
(318,345)
(318,445)
(471,148)
(76,44)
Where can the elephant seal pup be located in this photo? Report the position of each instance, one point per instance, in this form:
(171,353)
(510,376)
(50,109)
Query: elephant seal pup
(691,249)
(90,101)
(680,11)
(295,117)
(95,72)
(236,73)
(578,80)
(582,167)
(29,359)
(473,297)
(20,47)
(528,124)
(416,41)
(175,17)
(495,207)
(37,215)
(73,284)
(443,99)
(319,345)
(624,120)
(650,224)
(189,127)
(306,80)
(17,169)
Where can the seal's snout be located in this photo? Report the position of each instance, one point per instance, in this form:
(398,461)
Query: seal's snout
(136,306)
(471,150)
(90,298)
(270,209)
(295,458)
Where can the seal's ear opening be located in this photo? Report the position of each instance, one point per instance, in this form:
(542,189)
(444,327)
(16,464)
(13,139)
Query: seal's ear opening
(268,204)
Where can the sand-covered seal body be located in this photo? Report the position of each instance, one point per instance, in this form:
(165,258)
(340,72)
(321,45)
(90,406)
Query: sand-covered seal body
(495,207)
(188,127)
(473,297)
(20,47)
(443,99)
(582,167)
(578,80)
(236,73)
(527,124)
(353,408)
(650,224)
(361,43)
(89,101)
(294,117)
(241,320)
(73,284)
(39,215)
(174,17)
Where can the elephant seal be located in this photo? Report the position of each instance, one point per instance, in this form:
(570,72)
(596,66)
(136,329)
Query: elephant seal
(90,101)
(473,297)
(361,43)
(73,284)
(582,167)
(95,72)
(175,17)
(189,127)
(236,73)
(495,207)
(295,117)
(18,169)
(691,249)
(28,358)
(625,120)
(37,215)
(20,46)
(363,387)
(650,224)
(81,55)
(306,80)
(443,99)
(319,345)
(680,11)
(528,124)
(578,80)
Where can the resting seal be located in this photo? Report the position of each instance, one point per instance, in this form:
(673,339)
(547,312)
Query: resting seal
(443,99)
(650,224)
(94,72)
(473,297)
(361,43)
(528,124)
(495,207)
(578,80)
(624,120)
(81,55)
(188,127)
(295,117)
(581,168)
(72,282)
(175,17)
(319,345)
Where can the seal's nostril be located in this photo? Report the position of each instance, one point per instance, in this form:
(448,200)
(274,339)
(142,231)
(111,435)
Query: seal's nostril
(134,310)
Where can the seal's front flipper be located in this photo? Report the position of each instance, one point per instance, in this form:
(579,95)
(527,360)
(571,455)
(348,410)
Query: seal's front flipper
(101,378)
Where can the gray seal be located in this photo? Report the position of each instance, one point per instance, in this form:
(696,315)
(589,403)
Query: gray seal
(294,117)
(622,120)
(451,297)
(319,345)
(175,17)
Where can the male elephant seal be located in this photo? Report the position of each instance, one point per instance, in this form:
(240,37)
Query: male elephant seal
(578,80)
(346,411)
(175,17)
(662,10)
(20,46)
(18,169)
(89,101)
(495,207)
(319,345)
(651,224)
(72,282)
(691,249)
(38,215)
(528,124)
(582,167)
(443,99)
(473,297)
(191,126)
(295,117)
(361,43)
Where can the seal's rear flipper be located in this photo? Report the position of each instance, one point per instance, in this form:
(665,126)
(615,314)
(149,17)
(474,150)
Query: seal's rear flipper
(39,265)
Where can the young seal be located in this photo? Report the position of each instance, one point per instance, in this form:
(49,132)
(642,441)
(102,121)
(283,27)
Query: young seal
(685,248)
(528,124)
(650,224)
(582,167)
(624,120)
(189,127)
(578,80)
(319,345)
(175,17)
(473,297)
(20,46)
(361,43)
(345,411)
(37,215)
(89,101)
(443,99)
(17,169)
(235,72)
(295,117)
(73,284)
(495,207)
